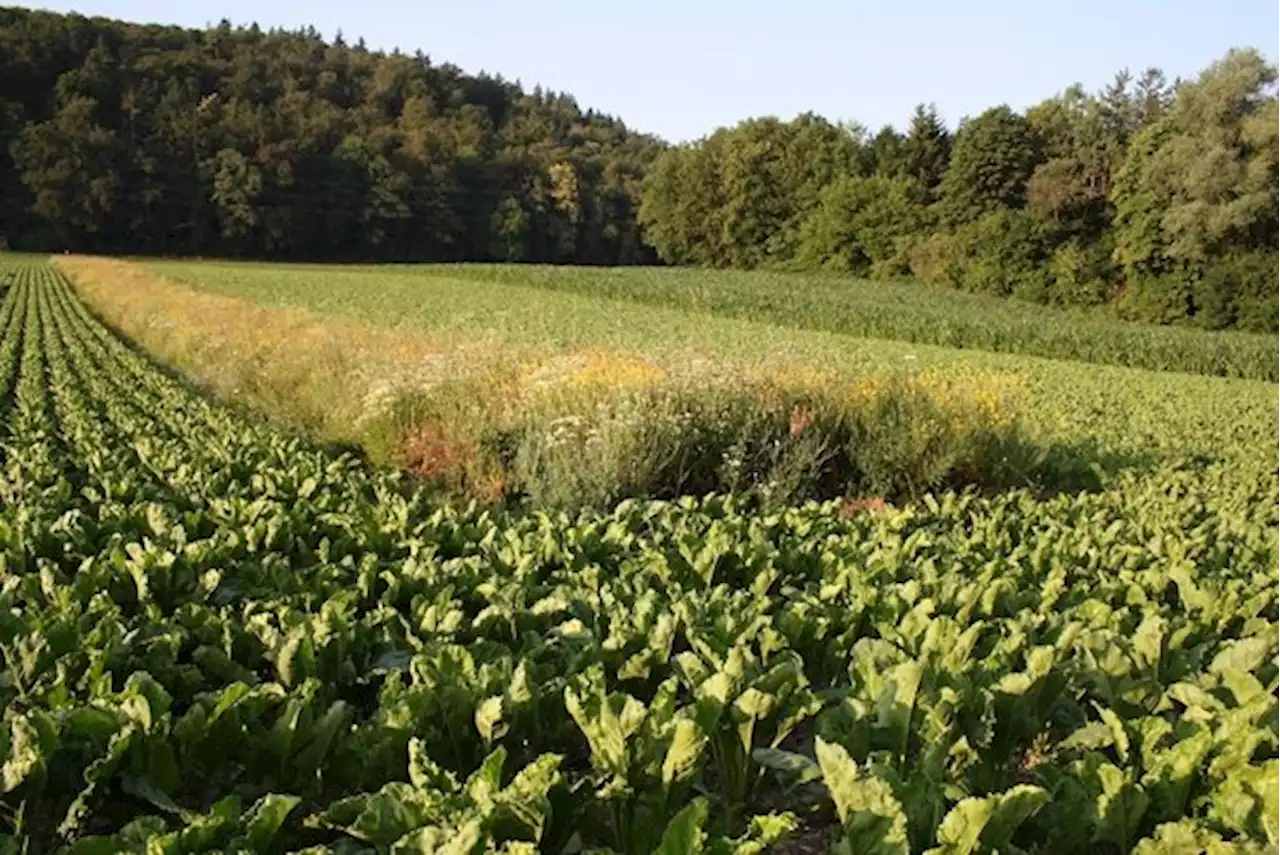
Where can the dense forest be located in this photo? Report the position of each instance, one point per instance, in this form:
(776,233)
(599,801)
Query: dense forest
(117,137)
(1157,197)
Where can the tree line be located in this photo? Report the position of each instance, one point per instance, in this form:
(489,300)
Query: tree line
(232,141)
(1158,198)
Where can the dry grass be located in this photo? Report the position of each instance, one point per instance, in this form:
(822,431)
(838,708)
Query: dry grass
(325,375)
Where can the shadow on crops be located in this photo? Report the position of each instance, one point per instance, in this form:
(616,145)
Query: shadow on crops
(1080,466)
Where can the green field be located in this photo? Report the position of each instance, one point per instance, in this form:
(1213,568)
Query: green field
(467,297)
(218,636)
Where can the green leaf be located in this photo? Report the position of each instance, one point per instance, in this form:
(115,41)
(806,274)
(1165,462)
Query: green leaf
(383,817)
(526,800)
(486,781)
(608,722)
(489,720)
(1244,687)
(520,690)
(264,819)
(991,820)
(794,769)
(870,814)
(1190,593)
(1199,704)
(1246,654)
(1148,641)
(684,834)
(24,755)
(147,791)
(291,654)
(1248,801)
(1039,664)
(99,772)
(1184,837)
(143,685)
(1119,737)
(896,708)
(425,773)
(1171,773)
(95,845)
(687,744)
(231,696)
(1013,807)
(323,733)
(1091,736)
(1118,805)
(962,827)
(467,840)
(764,831)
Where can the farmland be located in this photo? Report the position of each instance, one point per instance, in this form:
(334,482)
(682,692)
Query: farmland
(220,635)
(1126,413)
(835,304)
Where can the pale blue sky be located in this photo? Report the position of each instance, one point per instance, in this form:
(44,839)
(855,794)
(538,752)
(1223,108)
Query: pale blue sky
(681,69)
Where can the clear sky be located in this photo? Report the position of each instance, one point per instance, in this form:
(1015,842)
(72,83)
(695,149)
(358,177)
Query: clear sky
(681,68)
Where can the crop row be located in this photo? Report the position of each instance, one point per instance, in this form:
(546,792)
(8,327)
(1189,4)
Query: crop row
(219,638)
(904,312)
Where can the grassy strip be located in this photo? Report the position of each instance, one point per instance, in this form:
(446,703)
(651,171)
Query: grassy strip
(597,428)
(310,372)
(580,427)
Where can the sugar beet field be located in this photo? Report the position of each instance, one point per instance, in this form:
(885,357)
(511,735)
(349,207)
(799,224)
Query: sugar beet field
(220,637)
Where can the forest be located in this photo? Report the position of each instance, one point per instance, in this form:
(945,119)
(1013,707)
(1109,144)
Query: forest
(1156,198)
(233,141)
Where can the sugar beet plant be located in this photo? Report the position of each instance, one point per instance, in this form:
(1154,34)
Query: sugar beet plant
(217,638)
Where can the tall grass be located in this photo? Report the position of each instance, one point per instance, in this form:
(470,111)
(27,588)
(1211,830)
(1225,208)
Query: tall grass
(574,427)
(321,375)
(616,428)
